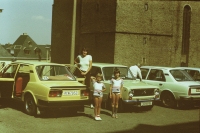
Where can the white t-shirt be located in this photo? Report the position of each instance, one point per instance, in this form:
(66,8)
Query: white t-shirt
(98,87)
(116,84)
(84,62)
(136,71)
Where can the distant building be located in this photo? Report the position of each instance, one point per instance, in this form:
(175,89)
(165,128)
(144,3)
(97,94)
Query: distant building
(151,32)
(26,48)
(4,52)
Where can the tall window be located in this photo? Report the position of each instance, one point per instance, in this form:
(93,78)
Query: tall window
(186,29)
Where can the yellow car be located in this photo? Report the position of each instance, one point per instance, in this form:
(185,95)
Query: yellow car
(41,86)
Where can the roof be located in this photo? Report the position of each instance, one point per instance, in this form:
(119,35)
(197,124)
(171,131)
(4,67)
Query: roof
(4,52)
(107,65)
(36,63)
(190,68)
(160,67)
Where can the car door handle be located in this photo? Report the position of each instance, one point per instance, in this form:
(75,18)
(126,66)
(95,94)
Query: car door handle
(160,84)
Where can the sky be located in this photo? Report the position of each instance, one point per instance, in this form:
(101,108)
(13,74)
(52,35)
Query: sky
(33,17)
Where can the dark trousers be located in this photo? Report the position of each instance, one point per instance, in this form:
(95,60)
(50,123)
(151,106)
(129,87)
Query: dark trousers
(87,78)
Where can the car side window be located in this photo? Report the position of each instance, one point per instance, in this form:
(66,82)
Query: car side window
(144,73)
(156,75)
(95,70)
(194,74)
(9,71)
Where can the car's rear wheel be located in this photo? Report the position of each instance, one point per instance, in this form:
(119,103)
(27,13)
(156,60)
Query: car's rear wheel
(168,100)
(29,105)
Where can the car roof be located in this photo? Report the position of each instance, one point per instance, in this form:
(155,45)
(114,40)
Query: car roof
(35,63)
(190,68)
(107,65)
(160,67)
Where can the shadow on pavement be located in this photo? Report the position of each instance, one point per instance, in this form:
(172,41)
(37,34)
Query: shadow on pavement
(190,127)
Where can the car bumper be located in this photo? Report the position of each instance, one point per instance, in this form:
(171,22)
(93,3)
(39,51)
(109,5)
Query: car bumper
(62,104)
(139,101)
(190,98)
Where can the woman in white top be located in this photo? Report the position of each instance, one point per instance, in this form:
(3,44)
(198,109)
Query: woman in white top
(116,86)
(84,61)
(99,88)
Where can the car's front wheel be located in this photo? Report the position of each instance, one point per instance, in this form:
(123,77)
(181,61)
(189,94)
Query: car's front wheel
(168,100)
(29,105)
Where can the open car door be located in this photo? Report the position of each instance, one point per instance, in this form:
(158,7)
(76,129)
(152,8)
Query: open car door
(7,80)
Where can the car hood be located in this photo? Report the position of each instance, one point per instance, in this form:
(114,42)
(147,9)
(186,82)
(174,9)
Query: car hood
(62,84)
(134,84)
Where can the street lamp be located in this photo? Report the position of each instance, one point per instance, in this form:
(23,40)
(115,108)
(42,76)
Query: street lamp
(1,10)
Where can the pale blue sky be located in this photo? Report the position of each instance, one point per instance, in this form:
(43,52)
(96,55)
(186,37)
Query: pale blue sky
(33,17)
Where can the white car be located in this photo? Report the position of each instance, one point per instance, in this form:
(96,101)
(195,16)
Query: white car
(176,85)
(134,93)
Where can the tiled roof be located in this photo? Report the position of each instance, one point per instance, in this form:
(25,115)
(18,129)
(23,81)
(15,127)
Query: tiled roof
(25,47)
(4,52)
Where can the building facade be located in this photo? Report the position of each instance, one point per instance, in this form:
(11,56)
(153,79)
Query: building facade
(161,33)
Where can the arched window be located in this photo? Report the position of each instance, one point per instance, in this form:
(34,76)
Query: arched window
(186,30)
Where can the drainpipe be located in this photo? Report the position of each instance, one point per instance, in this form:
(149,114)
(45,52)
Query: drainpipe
(73,34)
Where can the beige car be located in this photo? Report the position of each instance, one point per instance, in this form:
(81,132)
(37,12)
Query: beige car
(134,92)
(42,86)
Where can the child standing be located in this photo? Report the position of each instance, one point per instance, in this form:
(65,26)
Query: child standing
(99,87)
(116,86)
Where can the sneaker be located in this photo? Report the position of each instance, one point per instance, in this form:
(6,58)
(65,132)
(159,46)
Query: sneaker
(99,118)
(96,118)
(113,115)
(91,106)
(116,116)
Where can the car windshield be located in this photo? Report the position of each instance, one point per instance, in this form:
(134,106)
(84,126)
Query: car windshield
(181,75)
(125,73)
(54,72)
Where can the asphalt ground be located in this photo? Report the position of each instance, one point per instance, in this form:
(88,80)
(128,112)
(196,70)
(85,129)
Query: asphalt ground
(158,120)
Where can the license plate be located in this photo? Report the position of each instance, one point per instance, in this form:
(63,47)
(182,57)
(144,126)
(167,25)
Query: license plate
(70,93)
(146,103)
(197,90)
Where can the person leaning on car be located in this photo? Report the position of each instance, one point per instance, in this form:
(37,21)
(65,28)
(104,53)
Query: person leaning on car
(136,71)
(84,62)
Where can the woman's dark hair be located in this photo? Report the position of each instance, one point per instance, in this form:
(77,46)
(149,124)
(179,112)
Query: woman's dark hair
(84,49)
(116,70)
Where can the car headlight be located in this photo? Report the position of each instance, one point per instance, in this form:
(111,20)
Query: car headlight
(131,94)
(157,93)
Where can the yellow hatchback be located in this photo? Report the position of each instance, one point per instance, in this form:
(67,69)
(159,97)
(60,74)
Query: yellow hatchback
(42,86)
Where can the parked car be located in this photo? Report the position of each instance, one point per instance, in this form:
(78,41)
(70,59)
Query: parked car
(193,71)
(176,85)
(42,86)
(134,92)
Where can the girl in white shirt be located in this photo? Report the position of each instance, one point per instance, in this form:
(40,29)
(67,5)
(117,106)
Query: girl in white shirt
(99,88)
(116,86)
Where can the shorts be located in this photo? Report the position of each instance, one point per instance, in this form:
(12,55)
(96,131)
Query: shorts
(95,96)
(116,93)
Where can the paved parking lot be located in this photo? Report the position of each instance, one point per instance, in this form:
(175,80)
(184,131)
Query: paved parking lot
(158,120)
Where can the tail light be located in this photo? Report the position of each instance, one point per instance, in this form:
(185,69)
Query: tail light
(189,91)
(55,93)
(84,93)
